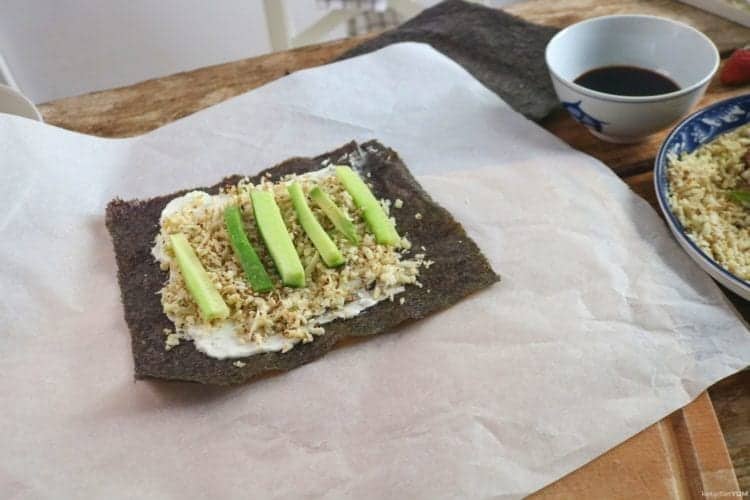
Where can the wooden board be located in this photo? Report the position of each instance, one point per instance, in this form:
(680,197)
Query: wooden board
(142,107)
(561,13)
(731,398)
(145,106)
(681,456)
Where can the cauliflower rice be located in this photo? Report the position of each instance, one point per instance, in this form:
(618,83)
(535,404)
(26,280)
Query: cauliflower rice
(699,187)
(290,312)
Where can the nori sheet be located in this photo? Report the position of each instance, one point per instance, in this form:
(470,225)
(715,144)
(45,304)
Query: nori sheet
(459,269)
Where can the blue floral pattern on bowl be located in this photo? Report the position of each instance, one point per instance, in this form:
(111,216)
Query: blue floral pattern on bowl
(697,129)
(579,115)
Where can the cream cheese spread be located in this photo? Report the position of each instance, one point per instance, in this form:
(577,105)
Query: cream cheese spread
(221,340)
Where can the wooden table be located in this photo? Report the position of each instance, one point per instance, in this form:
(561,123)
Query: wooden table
(679,457)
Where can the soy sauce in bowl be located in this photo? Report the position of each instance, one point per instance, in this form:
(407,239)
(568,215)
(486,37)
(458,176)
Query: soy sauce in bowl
(627,81)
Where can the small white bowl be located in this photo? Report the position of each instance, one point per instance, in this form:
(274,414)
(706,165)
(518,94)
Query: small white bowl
(671,48)
(15,103)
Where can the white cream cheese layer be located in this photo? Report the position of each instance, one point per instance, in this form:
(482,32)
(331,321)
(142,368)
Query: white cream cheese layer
(222,341)
(177,204)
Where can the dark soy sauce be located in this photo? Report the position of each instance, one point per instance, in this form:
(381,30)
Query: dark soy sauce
(626,80)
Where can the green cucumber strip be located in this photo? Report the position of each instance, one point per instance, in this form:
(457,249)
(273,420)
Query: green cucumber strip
(254,271)
(742,197)
(334,214)
(197,281)
(327,249)
(375,217)
(277,239)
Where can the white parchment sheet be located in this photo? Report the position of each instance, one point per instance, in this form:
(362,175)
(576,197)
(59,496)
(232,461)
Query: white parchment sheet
(600,327)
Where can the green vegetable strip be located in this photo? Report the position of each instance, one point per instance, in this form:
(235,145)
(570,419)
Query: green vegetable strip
(277,239)
(334,214)
(209,301)
(742,197)
(327,249)
(373,213)
(254,271)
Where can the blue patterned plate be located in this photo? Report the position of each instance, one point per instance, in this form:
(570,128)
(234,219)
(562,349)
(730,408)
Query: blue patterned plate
(697,129)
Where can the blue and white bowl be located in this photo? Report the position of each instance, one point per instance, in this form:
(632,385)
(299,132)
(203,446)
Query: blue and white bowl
(671,48)
(692,132)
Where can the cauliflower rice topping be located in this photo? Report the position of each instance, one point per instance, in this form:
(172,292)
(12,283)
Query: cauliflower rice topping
(700,183)
(296,314)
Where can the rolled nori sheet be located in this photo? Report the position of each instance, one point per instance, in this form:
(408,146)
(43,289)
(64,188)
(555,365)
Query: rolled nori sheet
(459,269)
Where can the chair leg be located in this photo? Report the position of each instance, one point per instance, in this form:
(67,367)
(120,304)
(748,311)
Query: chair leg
(316,32)
(278,33)
(406,9)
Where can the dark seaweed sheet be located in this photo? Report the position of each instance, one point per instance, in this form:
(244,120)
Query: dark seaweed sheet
(459,269)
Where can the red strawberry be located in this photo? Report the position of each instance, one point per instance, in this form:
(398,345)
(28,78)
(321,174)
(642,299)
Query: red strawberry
(736,70)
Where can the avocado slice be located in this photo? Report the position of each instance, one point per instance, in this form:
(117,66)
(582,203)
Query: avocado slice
(373,213)
(197,281)
(327,249)
(334,214)
(276,237)
(252,266)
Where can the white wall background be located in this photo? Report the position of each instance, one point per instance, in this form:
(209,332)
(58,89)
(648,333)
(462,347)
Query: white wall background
(58,48)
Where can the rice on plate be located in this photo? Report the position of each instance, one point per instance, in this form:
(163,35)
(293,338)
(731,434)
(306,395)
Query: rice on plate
(709,189)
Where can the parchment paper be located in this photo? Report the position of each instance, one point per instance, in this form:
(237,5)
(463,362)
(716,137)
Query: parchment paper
(600,327)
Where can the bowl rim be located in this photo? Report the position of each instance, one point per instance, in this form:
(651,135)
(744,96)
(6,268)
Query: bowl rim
(637,99)
(661,186)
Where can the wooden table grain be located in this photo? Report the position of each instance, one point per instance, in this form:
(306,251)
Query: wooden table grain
(680,456)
